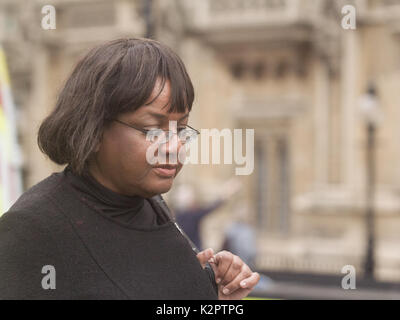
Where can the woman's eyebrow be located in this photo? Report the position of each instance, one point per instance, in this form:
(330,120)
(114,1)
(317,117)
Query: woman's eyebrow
(159,116)
(184,117)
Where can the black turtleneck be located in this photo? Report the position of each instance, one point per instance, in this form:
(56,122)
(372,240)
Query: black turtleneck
(126,210)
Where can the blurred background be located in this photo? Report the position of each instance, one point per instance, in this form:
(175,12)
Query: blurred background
(323,101)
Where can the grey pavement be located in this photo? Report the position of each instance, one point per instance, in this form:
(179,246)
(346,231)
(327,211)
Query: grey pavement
(293,290)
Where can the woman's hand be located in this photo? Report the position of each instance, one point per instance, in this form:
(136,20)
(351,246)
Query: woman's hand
(234,278)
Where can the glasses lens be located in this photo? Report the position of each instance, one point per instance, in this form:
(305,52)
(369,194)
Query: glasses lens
(187,135)
(156,135)
(160,136)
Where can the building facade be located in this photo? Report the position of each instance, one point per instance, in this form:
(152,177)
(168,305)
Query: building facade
(285,68)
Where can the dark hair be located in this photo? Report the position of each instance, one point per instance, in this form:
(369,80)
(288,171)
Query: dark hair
(113,78)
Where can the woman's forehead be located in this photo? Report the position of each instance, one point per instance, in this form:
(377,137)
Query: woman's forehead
(156,112)
(158,104)
(161,94)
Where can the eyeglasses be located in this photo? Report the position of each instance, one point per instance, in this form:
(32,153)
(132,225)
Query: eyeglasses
(185,134)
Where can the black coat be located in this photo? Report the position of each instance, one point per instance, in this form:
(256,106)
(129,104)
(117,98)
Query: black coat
(93,257)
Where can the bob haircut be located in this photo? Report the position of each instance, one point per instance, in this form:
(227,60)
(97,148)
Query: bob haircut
(113,78)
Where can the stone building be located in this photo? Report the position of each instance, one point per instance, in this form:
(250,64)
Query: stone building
(285,68)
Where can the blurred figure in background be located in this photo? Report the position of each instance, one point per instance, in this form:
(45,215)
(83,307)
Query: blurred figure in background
(240,236)
(189,213)
(240,239)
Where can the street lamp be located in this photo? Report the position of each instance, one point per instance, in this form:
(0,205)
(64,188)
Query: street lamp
(369,105)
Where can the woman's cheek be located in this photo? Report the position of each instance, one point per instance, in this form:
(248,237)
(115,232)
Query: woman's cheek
(142,166)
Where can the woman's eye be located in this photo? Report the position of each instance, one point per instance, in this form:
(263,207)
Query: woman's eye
(153,134)
(148,128)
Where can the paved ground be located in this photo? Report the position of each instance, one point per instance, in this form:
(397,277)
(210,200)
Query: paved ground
(301,291)
(320,287)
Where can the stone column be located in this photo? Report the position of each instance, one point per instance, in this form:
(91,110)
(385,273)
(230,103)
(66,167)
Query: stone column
(349,70)
(272,183)
(261,186)
(123,12)
(321,121)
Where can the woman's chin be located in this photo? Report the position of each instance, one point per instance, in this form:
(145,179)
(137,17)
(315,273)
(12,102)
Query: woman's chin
(159,187)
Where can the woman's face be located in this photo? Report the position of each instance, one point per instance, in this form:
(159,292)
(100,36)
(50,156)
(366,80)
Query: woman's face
(120,161)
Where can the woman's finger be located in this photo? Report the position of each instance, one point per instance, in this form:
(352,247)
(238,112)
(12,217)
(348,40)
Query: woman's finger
(204,256)
(244,276)
(250,282)
(233,271)
(223,261)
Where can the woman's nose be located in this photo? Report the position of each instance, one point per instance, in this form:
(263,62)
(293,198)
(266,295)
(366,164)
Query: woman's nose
(171,148)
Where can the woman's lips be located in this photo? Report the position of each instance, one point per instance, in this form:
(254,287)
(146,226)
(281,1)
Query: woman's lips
(167,172)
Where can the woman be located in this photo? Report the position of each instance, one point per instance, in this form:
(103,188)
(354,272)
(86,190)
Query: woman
(99,229)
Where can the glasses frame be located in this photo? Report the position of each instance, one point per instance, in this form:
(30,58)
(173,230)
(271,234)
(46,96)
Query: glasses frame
(145,131)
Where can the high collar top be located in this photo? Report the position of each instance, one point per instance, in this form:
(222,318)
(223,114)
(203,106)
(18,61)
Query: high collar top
(126,210)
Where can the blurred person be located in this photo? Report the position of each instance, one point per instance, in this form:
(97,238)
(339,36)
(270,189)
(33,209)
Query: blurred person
(100,229)
(190,214)
(240,236)
(240,239)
